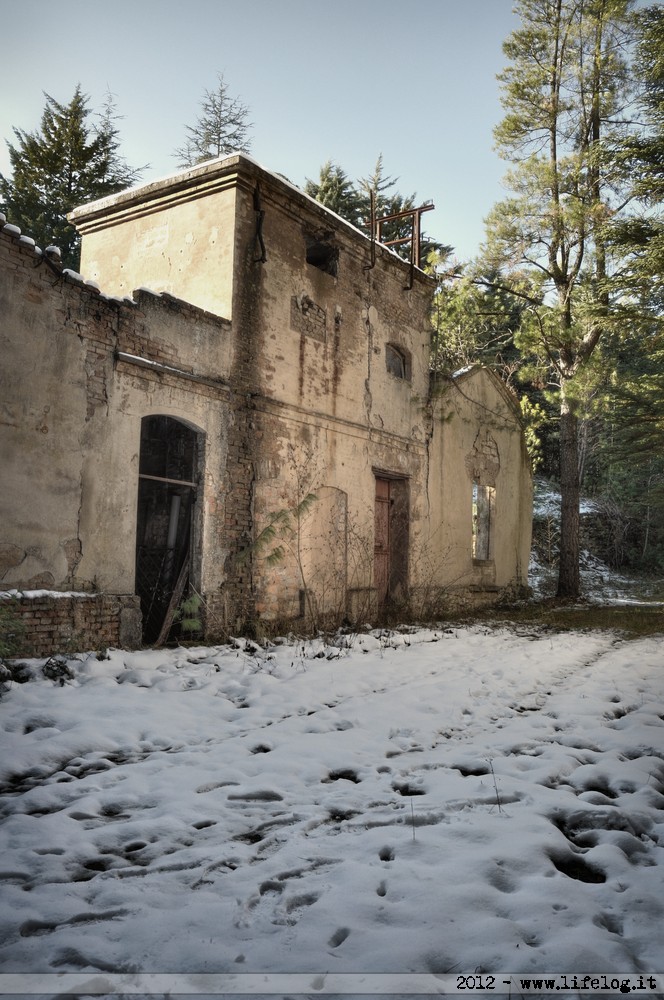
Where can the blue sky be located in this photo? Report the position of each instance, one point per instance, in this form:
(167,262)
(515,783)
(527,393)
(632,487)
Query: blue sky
(346,80)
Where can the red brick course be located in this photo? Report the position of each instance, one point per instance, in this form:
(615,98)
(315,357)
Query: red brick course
(52,624)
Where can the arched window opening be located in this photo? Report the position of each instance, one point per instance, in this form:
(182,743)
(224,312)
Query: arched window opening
(168,470)
(397,362)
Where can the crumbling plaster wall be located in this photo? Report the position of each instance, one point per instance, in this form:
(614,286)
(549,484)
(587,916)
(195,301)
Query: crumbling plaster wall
(308,357)
(110,473)
(44,395)
(310,385)
(291,392)
(73,395)
(332,542)
(478,436)
(328,415)
(169,236)
(323,336)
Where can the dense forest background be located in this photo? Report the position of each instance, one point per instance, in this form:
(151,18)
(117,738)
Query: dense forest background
(564,298)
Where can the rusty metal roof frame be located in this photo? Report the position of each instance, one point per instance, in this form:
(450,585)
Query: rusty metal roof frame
(415,215)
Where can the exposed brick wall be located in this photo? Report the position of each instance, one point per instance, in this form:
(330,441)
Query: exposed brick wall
(244,435)
(104,324)
(308,318)
(157,328)
(51,624)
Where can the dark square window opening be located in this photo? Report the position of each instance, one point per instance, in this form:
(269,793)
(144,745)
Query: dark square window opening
(323,254)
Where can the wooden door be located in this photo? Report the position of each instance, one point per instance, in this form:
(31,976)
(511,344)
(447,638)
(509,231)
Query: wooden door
(382,540)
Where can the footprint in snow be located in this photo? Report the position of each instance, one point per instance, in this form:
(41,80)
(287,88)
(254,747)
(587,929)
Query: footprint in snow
(502,880)
(342,774)
(257,795)
(609,922)
(270,886)
(339,937)
(408,789)
(574,867)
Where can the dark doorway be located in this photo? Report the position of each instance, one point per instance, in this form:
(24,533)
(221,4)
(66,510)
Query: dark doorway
(391,535)
(382,540)
(166,494)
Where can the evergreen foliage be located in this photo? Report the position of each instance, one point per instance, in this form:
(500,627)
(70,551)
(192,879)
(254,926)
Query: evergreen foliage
(565,94)
(221,128)
(380,185)
(387,201)
(622,446)
(67,162)
(642,236)
(189,615)
(352,201)
(626,464)
(475,322)
(336,191)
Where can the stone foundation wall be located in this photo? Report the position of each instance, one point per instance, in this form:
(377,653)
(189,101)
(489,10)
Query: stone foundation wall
(47,624)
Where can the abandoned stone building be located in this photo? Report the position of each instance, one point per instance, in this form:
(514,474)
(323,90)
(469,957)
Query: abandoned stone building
(236,402)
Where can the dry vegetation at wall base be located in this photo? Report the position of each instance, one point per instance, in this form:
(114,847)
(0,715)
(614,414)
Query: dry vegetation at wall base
(631,621)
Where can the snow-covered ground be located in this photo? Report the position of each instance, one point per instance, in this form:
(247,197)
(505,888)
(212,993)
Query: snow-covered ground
(599,583)
(435,801)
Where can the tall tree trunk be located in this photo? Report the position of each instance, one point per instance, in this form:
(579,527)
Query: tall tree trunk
(569,582)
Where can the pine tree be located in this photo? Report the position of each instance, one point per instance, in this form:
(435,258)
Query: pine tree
(352,201)
(336,191)
(475,322)
(629,461)
(66,163)
(626,465)
(378,185)
(642,236)
(221,128)
(385,204)
(564,94)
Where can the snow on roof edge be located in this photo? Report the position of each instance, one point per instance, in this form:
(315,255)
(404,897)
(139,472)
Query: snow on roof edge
(81,210)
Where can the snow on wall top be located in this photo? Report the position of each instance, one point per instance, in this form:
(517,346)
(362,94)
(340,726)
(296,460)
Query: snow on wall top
(220,165)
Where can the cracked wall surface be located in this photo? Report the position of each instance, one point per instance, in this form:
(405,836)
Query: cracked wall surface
(71,413)
(281,357)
